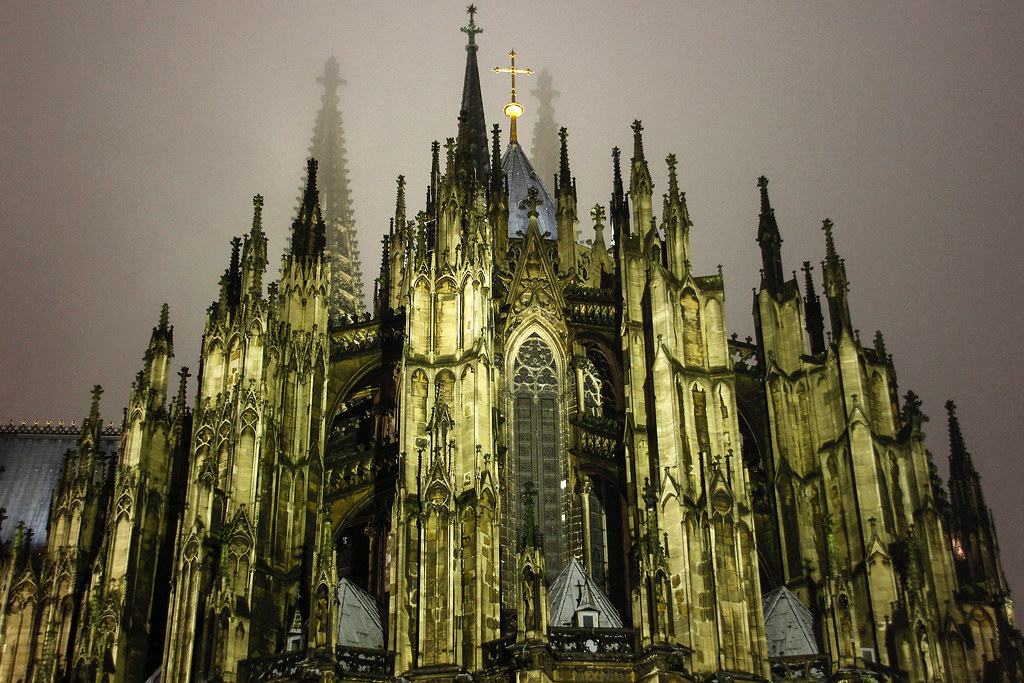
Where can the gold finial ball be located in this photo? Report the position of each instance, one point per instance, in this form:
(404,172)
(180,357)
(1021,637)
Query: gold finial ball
(513,110)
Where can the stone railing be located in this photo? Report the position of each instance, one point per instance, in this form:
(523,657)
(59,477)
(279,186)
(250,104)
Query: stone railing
(800,668)
(59,429)
(365,661)
(588,642)
(496,652)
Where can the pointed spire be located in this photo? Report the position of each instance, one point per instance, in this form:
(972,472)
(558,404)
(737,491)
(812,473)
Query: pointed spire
(308,229)
(813,318)
(770,241)
(341,243)
(94,408)
(641,186)
(497,176)
(673,181)
(836,285)
(473,102)
(254,252)
(564,179)
(400,219)
(435,178)
(617,206)
(960,462)
(640,179)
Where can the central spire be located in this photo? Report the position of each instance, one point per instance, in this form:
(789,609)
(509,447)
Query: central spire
(473,101)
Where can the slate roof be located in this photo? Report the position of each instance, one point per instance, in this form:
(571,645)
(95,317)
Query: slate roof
(29,468)
(521,177)
(572,589)
(359,621)
(788,625)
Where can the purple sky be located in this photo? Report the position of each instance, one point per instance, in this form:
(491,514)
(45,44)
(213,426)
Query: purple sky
(133,136)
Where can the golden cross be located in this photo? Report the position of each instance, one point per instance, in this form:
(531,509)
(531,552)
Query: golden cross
(513,109)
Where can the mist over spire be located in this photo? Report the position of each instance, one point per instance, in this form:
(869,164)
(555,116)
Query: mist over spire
(545,131)
(328,148)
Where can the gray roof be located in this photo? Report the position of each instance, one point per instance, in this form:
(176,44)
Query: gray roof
(359,622)
(521,177)
(574,589)
(788,625)
(30,466)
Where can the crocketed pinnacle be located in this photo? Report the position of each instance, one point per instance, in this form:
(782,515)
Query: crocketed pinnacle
(813,317)
(836,285)
(960,462)
(617,206)
(400,219)
(564,177)
(497,181)
(473,103)
(770,241)
(640,178)
(328,148)
(308,229)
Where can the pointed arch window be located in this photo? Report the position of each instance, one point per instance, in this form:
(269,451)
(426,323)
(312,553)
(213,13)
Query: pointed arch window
(537,448)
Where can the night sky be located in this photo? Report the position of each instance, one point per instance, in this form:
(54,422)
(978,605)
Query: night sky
(134,135)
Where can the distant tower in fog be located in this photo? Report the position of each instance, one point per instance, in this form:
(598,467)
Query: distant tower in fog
(544,150)
(328,148)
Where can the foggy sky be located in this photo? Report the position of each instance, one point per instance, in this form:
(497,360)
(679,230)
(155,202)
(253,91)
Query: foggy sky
(133,136)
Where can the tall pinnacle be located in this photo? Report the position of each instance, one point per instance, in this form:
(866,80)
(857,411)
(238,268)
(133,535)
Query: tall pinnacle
(473,102)
(770,241)
(836,285)
(308,240)
(328,148)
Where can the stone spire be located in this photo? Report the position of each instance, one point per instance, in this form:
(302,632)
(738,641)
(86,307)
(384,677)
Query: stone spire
(328,148)
(641,186)
(813,318)
(976,548)
(473,102)
(836,285)
(617,207)
(963,478)
(770,241)
(308,238)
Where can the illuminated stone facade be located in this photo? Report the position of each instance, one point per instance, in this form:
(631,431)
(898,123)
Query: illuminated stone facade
(534,460)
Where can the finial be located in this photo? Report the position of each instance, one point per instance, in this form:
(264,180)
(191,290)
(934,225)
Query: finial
(331,80)
(532,201)
(94,411)
(163,317)
(766,206)
(597,215)
(830,245)
(182,383)
(638,141)
(472,29)
(513,109)
(673,181)
(257,214)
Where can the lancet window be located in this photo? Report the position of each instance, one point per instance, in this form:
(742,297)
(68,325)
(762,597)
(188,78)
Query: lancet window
(537,450)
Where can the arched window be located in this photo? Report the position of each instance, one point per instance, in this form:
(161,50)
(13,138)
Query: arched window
(537,449)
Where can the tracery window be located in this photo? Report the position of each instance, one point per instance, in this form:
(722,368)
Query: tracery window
(537,448)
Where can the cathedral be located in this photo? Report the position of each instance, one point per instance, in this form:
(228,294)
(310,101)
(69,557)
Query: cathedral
(535,458)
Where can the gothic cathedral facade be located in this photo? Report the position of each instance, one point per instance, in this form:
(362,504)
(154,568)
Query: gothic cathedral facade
(534,459)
